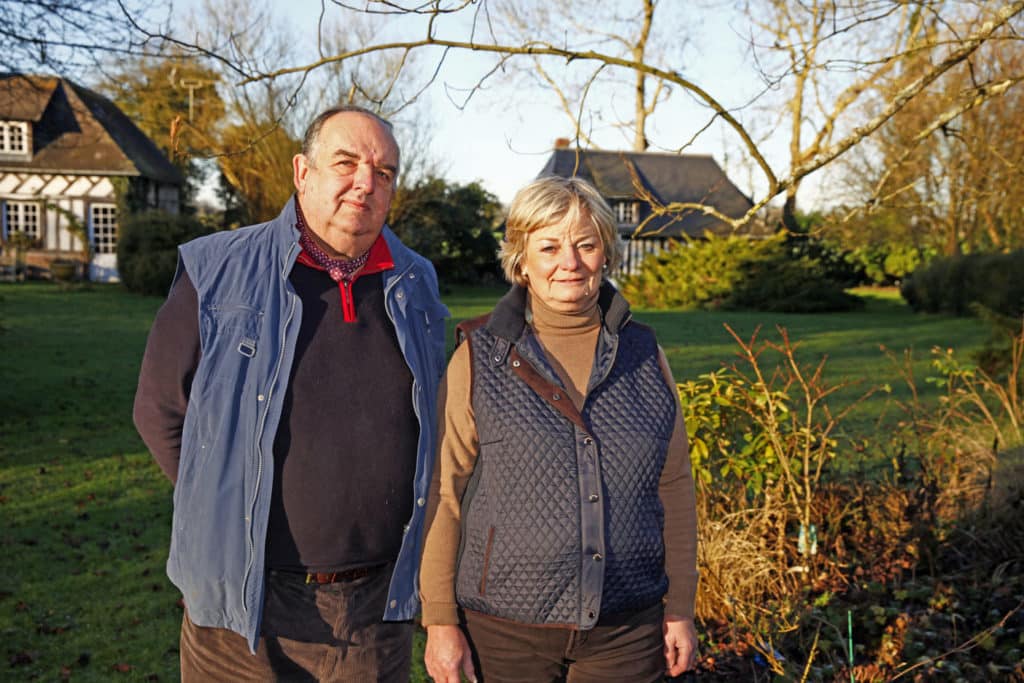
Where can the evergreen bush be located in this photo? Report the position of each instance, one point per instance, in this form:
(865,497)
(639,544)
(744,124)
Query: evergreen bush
(955,284)
(692,273)
(147,249)
(736,272)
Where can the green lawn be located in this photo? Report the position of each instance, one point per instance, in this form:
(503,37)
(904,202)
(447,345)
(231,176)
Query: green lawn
(86,513)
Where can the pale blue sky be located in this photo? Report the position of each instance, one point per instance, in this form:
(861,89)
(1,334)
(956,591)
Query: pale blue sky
(505,134)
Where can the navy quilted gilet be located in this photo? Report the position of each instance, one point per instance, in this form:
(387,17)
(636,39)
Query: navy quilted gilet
(562,519)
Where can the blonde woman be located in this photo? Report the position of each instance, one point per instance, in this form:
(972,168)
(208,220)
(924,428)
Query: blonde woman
(562,528)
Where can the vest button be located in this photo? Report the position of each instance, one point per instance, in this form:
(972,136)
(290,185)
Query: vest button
(394,604)
(598,557)
(260,397)
(593,498)
(587,441)
(515,363)
(556,396)
(421,501)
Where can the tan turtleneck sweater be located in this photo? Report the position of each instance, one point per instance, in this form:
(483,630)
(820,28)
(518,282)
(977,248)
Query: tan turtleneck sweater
(569,341)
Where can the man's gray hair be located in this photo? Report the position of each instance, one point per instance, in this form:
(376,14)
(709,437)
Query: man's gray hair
(309,139)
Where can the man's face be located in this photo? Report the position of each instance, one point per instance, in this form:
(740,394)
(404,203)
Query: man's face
(346,185)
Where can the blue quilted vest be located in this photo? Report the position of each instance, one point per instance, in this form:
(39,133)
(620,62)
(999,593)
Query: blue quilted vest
(561,519)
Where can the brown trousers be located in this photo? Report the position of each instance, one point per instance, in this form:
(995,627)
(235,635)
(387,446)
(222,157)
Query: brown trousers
(310,632)
(628,647)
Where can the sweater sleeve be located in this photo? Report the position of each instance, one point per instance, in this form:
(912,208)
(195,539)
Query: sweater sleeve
(676,491)
(458,446)
(165,380)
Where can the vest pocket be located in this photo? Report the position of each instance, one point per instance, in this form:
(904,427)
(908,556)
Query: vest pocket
(487,561)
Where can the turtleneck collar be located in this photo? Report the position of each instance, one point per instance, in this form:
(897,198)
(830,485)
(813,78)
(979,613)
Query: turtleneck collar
(509,315)
(543,318)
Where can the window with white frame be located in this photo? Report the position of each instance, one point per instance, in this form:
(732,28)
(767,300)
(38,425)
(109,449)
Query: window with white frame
(13,137)
(103,218)
(23,217)
(627,213)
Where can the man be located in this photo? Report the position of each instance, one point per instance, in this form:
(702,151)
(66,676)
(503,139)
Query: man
(288,390)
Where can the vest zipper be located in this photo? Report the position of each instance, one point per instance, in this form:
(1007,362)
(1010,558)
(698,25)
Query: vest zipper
(250,541)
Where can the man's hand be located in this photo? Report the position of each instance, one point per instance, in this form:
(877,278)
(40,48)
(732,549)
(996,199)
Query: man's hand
(680,644)
(448,653)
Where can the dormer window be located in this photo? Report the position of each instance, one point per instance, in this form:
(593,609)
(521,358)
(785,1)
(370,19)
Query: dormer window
(626,212)
(14,137)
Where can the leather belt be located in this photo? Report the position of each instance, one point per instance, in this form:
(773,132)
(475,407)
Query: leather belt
(336,577)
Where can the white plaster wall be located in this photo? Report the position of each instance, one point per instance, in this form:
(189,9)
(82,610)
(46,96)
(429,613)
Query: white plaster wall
(102,188)
(32,186)
(56,186)
(80,187)
(8,182)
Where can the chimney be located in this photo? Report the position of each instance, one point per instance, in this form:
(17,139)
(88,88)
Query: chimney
(561,143)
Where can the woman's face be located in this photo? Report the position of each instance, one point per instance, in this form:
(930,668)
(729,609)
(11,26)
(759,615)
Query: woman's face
(562,264)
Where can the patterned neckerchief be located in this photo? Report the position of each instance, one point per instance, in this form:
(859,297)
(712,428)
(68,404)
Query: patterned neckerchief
(338,269)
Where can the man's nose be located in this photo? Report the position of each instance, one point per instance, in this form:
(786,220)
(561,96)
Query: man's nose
(365,179)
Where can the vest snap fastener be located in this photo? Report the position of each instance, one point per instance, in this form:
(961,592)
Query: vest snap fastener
(593,497)
(591,615)
(516,364)
(412,276)
(421,501)
(557,397)
(394,604)
(399,294)
(260,397)
(587,441)
(598,557)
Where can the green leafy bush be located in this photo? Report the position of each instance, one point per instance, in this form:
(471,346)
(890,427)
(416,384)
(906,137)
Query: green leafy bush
(453,226)
(691,274)
(793,285)
(953,284)
(147,249)
(736,272)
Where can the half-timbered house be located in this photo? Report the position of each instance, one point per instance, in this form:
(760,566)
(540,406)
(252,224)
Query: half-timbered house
(65,152)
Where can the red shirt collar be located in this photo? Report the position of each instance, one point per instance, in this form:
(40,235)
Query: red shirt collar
(379,259)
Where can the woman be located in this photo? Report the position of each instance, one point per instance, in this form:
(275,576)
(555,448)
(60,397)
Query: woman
(562,517)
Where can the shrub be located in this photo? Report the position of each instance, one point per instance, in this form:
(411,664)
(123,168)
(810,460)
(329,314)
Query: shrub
(954,284)
(453,226)
(691,274)
(780,283)
(737,272)
(147,249)
(887,264)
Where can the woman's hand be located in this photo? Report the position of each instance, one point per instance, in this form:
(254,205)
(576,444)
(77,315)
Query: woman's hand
(447,653)
(680,644)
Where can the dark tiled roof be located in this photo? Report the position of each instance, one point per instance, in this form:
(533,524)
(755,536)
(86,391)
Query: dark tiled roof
(667,177)
(81,131)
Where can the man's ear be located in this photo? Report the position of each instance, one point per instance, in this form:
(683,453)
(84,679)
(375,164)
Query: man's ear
(300,166)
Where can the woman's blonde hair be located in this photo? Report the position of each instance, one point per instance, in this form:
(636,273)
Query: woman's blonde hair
(548,201)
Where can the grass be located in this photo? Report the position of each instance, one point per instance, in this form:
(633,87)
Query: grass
(86,513)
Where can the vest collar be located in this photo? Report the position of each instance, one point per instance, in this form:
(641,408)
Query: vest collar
(509,316)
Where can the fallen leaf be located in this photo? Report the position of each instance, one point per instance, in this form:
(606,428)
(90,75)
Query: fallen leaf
(122,667)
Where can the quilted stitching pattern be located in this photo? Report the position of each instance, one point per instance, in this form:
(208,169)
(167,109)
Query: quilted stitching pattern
(528,505)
